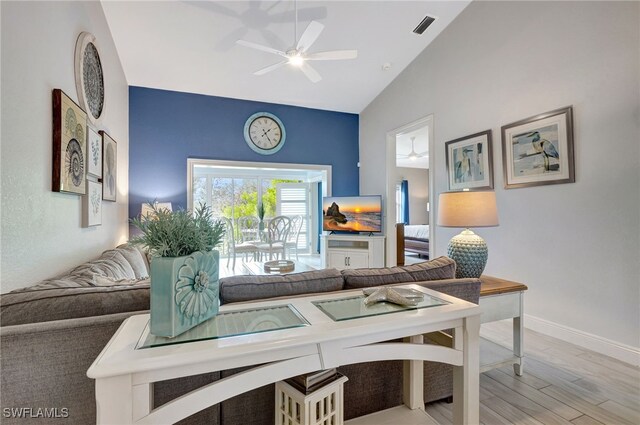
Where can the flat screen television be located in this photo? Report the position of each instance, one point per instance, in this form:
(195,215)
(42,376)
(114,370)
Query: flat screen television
(352,214)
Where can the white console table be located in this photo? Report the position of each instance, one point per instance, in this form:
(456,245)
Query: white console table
(352,251)
(125,374)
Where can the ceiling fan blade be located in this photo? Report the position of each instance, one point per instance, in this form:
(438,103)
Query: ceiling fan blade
(421,154)
(333,55)
(311,73)
(309,36)
(261,47)
(270,68)
(271,38)
(229,40)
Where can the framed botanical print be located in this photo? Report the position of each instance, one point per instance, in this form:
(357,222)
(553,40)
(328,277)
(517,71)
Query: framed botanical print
(469,162)
(94,152)
(69,145)
(539,150)
(92,205)
(109,167)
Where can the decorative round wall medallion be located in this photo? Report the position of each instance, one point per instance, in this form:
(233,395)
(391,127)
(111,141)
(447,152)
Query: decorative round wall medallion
(264,133)
(89,76)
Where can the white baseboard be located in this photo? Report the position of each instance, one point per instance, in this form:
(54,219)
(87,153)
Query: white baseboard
(622,352)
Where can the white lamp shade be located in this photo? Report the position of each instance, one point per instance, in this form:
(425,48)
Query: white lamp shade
(467,209)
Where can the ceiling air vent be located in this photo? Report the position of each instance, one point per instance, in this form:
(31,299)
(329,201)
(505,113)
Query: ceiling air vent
(422,26)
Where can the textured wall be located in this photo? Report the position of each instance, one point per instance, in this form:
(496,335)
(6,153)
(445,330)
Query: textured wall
(41,229)
(168,127)
(575,245)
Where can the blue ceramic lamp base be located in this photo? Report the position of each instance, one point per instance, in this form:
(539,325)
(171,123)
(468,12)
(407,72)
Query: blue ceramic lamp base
(470,253)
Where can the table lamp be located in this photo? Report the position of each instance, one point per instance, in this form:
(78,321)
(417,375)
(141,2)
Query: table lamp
(468,209)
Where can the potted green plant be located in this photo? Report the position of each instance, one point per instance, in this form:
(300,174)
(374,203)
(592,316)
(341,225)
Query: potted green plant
(184,267)
(260,212)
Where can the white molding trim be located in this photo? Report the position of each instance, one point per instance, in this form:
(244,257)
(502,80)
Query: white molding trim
(191,162)
(617,350)
(389,211)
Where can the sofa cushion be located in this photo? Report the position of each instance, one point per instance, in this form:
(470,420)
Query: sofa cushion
(110,264)
(439,268)
(25,306)
(136,259)
(246,288)
(364,278)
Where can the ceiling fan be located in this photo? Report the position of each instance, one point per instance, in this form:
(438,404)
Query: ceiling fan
(413,155)
(297,55)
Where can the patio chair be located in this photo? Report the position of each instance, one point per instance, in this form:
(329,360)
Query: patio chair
(277,233)
(233,248)
(294,235)
(248,227)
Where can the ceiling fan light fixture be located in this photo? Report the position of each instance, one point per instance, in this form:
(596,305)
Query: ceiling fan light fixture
(296,60)
(413,156)
(297,55)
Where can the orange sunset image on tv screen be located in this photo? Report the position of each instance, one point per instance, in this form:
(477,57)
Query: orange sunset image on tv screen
(352,214)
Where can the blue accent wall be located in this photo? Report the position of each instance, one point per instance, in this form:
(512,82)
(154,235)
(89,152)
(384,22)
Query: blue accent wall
(166,128)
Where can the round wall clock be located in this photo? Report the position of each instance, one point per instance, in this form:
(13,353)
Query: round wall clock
(264,133)
(89,77)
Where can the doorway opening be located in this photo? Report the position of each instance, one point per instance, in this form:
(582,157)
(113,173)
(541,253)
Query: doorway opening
(410,187)
(234,189)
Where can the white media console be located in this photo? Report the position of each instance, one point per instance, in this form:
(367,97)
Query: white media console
(352,251)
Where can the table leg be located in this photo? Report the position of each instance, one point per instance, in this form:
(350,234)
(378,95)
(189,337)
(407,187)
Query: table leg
(114,400)
(466,378)
(518,339)
(142,400)
(413,383)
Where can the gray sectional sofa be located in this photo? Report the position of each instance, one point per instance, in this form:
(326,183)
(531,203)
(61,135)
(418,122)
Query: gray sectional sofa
(51,333)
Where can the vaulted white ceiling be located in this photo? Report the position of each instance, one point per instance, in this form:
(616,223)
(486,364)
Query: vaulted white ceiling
(189,46)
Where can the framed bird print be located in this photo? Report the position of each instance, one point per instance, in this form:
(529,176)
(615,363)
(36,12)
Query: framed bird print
(470,162)
(539,150)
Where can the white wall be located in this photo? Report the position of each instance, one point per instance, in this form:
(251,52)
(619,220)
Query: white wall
(418,179)
(41,230)
(575,245)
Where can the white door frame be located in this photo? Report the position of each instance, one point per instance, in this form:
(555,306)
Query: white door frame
(191,162)
(390,223)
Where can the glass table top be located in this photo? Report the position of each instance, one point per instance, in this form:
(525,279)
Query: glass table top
(232,323)
(354,307)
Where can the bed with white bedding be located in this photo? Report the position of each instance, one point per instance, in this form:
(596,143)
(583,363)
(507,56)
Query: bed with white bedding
(416,239)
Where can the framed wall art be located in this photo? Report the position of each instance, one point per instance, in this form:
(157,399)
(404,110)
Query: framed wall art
(89,76)
(539,150)
(92,205)
(94,152)
(470,162)
(109,167)
(69,145)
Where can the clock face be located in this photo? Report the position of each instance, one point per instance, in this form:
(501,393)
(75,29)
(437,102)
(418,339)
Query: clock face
(264,133)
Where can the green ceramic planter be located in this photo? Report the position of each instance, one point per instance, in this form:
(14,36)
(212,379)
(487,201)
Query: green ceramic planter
(184,292)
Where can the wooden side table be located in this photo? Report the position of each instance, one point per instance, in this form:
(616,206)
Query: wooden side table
(503,299)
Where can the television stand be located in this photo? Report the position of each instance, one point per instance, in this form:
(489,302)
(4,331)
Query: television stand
(352,251)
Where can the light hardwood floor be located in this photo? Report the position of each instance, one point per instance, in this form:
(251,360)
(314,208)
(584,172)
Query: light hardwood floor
(562,384)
